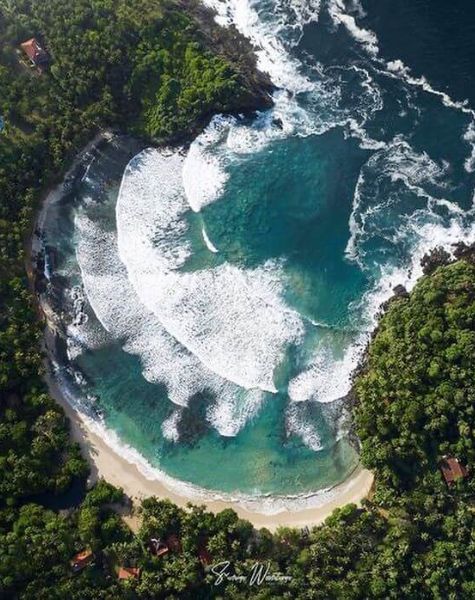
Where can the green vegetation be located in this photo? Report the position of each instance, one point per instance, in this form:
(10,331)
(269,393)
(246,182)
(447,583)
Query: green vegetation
(144,66)
(417,394)
(111,63)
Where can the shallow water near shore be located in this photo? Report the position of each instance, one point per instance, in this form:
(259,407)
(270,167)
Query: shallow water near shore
(216,301)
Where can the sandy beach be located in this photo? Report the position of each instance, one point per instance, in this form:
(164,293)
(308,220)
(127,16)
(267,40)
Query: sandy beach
(125,468)
(105,462)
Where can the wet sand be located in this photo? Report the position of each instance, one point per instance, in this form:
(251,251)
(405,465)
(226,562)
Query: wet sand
(105,462)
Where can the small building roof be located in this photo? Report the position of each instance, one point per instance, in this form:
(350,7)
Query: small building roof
(34,51)
(452,469)
(81,559)
(128,573)
(157,547)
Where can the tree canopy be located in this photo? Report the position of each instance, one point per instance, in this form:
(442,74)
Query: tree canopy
(146,67)
(417,394)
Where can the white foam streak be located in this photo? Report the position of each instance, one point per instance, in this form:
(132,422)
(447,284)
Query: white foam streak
(209,244)
(234,416)
(328,378)
(469,137)
(268,504)
(365,37)
(389,174)
(297,424)
(204,175)
(265,33)
(396,68)
(233,320)
(170,426)
(121,313)
(397,163)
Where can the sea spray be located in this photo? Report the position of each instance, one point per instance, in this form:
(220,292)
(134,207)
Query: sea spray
(262,341)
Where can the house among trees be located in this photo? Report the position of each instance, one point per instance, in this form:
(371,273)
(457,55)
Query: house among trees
(81,560)
(452,470)
(157,547)
(128,573)
(38,57)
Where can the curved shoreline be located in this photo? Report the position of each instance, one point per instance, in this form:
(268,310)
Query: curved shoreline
(106,462)
(127,469)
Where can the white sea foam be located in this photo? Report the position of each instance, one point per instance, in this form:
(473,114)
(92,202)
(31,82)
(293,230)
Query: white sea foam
(170,426)
(85,177)
(328,378)
(232,319)
(121,313)
(214,311)
(396,68)
(390,202)
(381,184)
(209,244)
(340,15)
(267,504)
(233,416)
(338,10)
(298,424)
(303,105)
(265,30)
(469,137)
(204,175)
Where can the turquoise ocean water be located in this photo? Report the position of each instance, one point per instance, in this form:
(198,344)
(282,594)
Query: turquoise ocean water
(217,299)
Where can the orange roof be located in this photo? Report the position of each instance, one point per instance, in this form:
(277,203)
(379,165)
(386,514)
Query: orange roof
(128,573)
(34,51)
(452,469)
(81,559)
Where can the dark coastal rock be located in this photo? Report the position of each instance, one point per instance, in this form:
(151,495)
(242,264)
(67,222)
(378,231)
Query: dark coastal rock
(400,291)
(437,257)
(239,52)
(464,251)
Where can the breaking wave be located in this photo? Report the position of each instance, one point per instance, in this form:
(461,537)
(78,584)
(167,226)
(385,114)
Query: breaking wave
(400,199)
(231,330)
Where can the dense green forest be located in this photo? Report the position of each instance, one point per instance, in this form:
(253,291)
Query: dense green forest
(417,397)
(153,68)
(145,68)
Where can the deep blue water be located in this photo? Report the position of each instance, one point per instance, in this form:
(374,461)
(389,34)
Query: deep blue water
(433,37)
(218,299)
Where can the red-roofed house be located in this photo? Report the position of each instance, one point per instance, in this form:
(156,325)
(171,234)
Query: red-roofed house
(452,470)
(128,573)
(81,560)
(37,55)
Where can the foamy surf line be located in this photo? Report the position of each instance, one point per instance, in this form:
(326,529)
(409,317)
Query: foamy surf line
(250,328)
(240,139)
(141,483)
